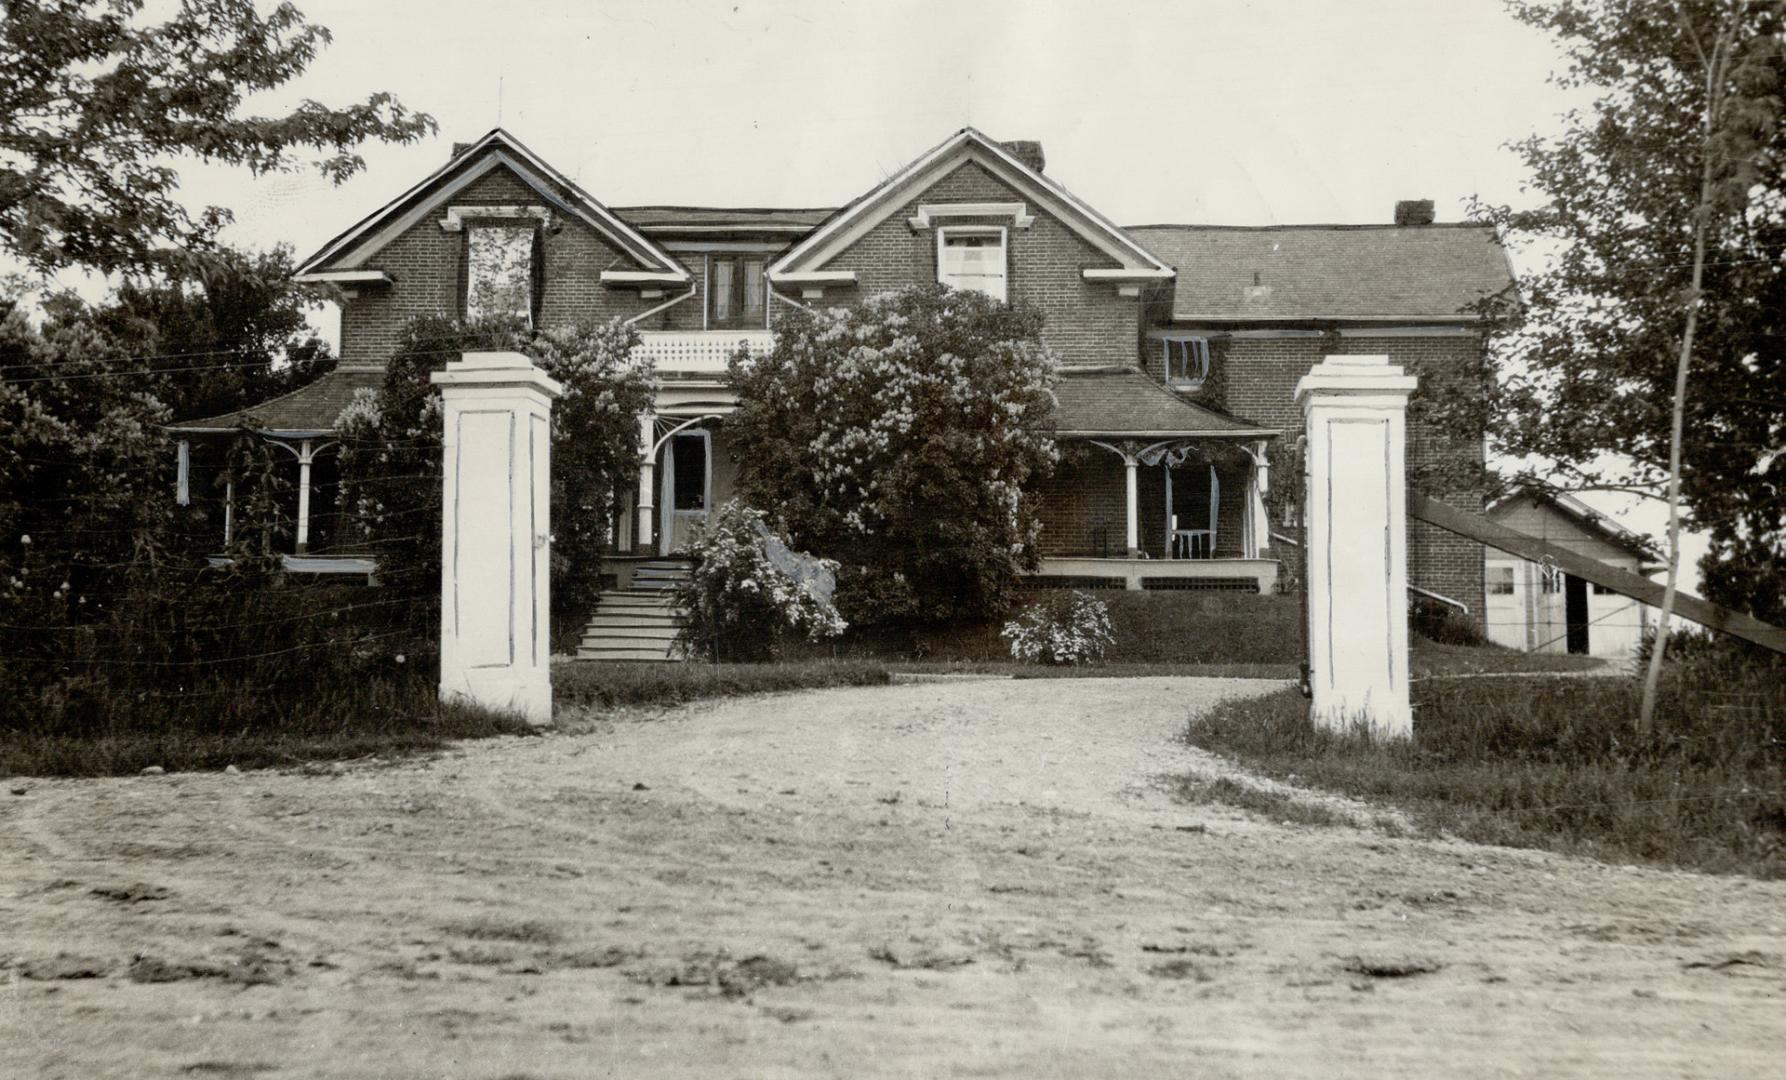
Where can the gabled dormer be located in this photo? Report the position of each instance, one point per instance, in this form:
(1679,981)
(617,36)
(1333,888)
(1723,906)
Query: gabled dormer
(494,231)
(975,213)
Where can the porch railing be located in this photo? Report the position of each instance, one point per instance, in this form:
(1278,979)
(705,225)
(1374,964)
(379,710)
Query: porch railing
(700,352)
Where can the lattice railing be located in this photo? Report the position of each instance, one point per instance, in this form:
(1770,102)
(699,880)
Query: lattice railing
(700,351)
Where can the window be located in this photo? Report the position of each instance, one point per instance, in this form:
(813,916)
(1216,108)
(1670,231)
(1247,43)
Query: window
(1187,361)
(972,258)
(1500,581)
(501,268)
(735,292)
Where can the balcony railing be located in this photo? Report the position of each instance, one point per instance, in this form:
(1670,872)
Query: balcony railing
(700,352)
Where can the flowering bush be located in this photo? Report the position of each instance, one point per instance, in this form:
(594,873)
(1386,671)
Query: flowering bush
(747,592)
(904,437)
(1067,628)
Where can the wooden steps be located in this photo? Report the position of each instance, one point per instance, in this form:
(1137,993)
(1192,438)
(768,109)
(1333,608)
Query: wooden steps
(639,622)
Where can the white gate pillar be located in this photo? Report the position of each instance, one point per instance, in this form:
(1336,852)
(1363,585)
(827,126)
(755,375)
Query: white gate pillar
(496,529)
(1355,415)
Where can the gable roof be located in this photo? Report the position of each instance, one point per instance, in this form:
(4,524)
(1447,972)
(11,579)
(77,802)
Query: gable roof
(308,411)
(1424,273)
(1124,403)
(498,148)
(1588,518)
(874,206)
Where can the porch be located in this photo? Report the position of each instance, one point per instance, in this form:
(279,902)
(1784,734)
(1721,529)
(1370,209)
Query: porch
(1153,491)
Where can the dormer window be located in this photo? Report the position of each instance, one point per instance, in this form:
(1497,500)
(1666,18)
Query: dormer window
(972,257)
(1187,362)
(501,268)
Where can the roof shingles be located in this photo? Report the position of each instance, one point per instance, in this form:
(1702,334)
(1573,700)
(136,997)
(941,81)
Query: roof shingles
(1127,404)
(312,408)
(1429,272)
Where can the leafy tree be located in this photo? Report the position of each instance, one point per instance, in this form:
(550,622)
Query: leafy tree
(392,455)
(224,328)
(83,464)
(903,438)
(96,102)
(1651,356)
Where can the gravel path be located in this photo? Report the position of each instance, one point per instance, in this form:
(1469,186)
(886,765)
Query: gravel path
(979,878)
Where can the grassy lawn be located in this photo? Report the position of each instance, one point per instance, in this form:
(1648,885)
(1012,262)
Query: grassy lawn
(1430,659)
(1012,669)
(604,685)
(333,724)
(1554,763)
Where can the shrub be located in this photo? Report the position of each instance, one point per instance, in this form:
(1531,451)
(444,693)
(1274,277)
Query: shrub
(904,438)
(391,453)
(1443,624)
(1067,628)
(747,593)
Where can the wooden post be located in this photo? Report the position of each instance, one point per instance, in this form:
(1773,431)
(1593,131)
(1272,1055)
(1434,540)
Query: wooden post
(305,454)
(646,502)
(496,526)
(1355,416)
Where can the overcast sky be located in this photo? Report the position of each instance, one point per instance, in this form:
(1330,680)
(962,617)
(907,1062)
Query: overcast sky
(1213,112)
(1204,111)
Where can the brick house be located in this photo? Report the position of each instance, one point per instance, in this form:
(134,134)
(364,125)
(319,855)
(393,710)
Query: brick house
(1180,345)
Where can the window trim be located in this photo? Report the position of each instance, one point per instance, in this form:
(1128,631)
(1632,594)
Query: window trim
(1003,233)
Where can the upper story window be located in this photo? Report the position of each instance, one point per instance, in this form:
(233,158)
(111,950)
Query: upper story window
(735,292)
(972,257)
(501,271)
(1187,361)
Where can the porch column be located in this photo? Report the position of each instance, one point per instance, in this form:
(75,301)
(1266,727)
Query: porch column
(1258,522)
(496,534)
(305,454)
(1131,467)
(1355,414)
(646,502)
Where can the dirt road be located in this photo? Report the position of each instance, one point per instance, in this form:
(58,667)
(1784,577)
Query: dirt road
(966,879)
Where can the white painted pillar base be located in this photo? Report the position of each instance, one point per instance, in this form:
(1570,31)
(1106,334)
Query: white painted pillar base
(496,527)
(1355,415)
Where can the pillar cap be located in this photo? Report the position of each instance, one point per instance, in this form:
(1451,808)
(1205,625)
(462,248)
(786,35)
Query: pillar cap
(492,370)
(1356,375)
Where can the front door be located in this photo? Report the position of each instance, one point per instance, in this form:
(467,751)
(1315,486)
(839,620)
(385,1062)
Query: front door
(1575,609)
(687,487)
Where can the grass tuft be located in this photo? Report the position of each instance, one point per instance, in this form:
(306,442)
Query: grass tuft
(1555,763)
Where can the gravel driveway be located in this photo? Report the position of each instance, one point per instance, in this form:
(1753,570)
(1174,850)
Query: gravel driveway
(976,878)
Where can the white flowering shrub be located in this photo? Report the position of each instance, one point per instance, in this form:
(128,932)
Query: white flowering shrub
(1066,628)
(747,595)
(904,437)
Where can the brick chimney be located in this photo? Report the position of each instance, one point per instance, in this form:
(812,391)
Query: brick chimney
(1027,151)
(1414,212)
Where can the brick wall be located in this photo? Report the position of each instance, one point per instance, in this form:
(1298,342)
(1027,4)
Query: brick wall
(1259,383)
(425,264)
(1087,323)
